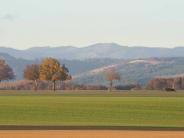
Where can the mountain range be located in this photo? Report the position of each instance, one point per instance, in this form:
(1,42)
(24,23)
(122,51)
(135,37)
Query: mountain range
(88,64)
(100,50)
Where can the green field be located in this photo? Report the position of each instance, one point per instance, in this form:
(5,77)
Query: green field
(90,108)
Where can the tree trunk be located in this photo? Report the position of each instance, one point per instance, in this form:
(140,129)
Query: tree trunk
(110,85)
(63,85)
(36,85)
(173,84)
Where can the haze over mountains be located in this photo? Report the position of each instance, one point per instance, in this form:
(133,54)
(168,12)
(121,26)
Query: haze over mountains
(100,50)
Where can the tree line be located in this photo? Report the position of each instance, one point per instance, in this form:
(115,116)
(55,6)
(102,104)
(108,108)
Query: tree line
(49,70)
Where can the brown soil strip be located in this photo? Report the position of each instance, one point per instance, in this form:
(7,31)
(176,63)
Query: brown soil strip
(90,134)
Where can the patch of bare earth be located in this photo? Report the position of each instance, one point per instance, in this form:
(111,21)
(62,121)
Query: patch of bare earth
(91,134)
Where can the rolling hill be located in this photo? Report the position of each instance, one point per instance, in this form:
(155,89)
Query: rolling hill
(136,71)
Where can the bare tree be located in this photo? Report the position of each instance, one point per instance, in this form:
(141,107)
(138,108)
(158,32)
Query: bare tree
(112,75)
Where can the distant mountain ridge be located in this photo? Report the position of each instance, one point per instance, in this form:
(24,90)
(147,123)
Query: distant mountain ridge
(100,50)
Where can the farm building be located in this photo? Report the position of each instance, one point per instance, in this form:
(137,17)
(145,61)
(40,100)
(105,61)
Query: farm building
(162,82)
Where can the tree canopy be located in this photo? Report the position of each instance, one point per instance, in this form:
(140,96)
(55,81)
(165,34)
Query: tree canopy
(51,70)
(112,75)
(6,72)
(32,72)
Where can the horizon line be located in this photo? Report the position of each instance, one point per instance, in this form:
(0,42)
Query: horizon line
(100,43)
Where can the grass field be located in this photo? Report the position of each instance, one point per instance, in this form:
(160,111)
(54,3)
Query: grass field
(90,108)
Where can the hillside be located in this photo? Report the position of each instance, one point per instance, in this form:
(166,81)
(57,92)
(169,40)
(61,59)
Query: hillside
(135,71)
(100,50)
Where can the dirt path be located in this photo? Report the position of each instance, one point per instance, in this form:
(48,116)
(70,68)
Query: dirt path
(91,134)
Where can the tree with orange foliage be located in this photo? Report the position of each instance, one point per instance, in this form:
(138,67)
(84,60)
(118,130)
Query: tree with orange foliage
(112,75)
(51,70)
(32,72)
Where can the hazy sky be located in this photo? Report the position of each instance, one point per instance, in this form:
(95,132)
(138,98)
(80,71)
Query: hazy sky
(28,23)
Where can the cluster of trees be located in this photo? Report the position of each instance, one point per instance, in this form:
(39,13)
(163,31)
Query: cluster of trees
(49,70)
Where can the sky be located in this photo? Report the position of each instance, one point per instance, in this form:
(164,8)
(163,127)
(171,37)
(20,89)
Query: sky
(151,23)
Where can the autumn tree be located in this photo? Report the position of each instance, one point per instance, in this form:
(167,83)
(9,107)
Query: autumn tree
(51,70)
(6,72)
(32,72)
(112,75)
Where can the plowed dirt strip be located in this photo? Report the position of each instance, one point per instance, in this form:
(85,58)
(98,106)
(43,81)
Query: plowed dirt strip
(91,134)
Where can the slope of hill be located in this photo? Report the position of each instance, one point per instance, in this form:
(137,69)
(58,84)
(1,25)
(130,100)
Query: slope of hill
(135,71)
(100,50)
